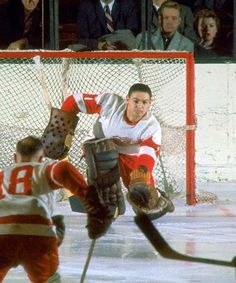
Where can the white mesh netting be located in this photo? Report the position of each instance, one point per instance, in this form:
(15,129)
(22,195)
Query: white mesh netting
(23,109)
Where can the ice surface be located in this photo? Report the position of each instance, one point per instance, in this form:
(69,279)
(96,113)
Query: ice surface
(124,255)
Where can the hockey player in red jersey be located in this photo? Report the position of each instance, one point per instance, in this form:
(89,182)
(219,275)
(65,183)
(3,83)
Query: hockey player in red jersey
(137,135)
(29,231)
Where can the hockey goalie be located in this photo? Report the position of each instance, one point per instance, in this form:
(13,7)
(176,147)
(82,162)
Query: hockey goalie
(125,143)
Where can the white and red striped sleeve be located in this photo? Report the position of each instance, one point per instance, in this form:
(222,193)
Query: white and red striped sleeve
(150,145)
(149,150)
(86,103)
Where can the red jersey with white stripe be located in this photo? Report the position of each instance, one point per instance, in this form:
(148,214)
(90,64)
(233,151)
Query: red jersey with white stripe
(27,198)
(139,140)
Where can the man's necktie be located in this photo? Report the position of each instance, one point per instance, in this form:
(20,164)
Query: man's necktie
(108,18)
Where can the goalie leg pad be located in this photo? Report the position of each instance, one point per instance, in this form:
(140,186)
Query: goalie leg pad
(57,136)
(102,160)
(103,172)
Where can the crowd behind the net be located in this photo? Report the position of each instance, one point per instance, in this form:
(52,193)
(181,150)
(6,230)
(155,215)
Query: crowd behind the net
(202,27)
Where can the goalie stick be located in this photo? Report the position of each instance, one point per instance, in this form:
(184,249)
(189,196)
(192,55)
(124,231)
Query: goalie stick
(77,206)
(159,243)
(90,253)
(42,80)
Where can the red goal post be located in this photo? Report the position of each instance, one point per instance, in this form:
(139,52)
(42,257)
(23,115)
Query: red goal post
(30,85)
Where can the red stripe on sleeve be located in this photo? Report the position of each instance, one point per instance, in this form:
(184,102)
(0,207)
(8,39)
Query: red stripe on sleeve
(145,160)
(91,105)
(70,105)
(66,174)
(149,142)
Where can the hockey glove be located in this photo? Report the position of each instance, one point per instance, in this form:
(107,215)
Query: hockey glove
(139,188)
(144,198)
(58,221)
(99,216)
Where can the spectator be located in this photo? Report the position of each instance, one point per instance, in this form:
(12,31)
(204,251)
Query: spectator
(224,10)
(207,26)
(22,22)
(92,29)
(167,37)
(187,19)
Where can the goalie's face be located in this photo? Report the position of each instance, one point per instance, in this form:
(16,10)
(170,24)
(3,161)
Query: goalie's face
(138,104)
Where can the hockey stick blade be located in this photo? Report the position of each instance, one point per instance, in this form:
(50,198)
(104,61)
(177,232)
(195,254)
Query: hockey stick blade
(159,243)
(77,206)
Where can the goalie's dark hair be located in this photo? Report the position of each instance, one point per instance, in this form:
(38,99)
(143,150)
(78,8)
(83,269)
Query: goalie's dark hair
(29,146)
(140,87)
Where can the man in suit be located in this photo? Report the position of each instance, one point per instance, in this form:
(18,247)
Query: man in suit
(20,26)
(187,19)
(167,37)
(92,22)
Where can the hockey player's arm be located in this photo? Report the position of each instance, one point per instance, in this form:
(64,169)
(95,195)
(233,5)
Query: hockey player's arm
(149,150)
(86,103)
(141,178)
(63,174)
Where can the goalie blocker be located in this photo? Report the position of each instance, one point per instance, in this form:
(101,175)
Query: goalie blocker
(57,136)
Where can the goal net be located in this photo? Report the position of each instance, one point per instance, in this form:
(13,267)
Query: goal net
(31,82)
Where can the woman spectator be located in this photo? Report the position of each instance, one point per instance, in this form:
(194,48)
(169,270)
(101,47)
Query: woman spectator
(207,26)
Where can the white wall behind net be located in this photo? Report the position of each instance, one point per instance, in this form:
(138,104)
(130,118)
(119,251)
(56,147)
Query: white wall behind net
(216,122)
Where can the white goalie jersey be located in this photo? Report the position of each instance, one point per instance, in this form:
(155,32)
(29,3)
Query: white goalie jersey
(133,139)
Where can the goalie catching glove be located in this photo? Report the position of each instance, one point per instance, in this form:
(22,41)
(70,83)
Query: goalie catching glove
(57,136)
(144,198)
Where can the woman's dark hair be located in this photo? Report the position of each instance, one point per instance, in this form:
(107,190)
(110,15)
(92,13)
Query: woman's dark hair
(29,146)
(140,87)
(205,13)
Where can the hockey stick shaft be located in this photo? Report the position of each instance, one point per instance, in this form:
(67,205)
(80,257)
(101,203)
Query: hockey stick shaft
(42,81)
(90,253)
(159,243)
